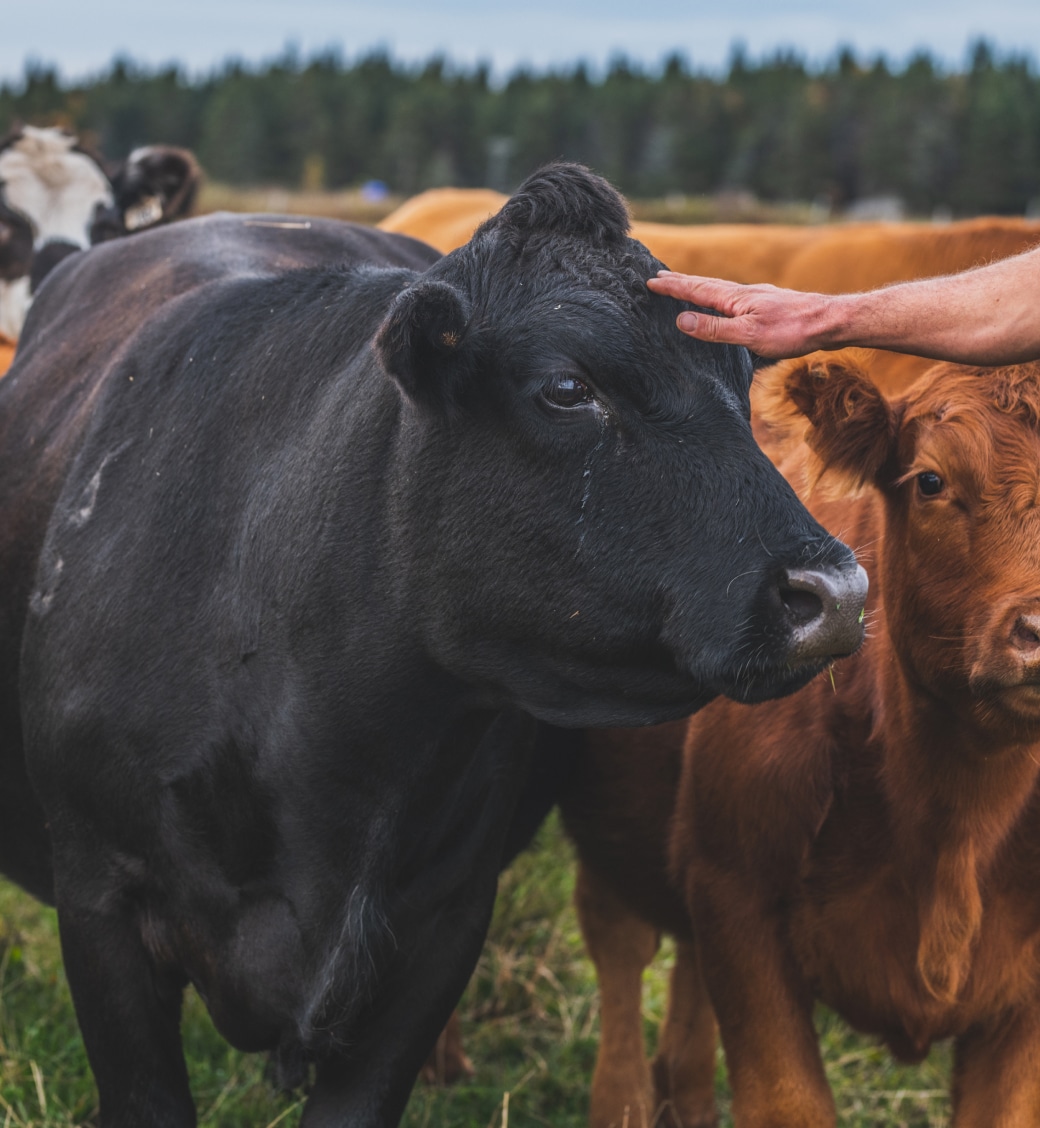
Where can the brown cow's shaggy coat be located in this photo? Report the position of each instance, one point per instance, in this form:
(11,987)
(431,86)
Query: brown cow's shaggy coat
(875,843)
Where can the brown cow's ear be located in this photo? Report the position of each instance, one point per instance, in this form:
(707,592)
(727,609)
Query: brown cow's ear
(851,428)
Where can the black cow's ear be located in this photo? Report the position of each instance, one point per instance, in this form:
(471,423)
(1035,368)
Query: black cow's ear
(421,344)
(155,184)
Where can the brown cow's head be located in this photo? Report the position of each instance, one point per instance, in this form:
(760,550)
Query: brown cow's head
(957,461)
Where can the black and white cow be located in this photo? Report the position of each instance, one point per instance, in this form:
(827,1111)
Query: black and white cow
(56,197)
(294,550)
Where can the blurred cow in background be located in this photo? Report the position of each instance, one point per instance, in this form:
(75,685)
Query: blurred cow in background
(56,197)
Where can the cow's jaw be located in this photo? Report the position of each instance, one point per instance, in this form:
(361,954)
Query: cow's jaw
(56,188)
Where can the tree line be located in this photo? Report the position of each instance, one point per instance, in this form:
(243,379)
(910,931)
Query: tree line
(966,141)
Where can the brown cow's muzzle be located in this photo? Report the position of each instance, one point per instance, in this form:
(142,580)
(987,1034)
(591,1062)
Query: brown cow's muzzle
(1007,667)
(825,610)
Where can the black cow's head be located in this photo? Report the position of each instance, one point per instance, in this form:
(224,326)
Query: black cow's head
(606,529)
(57,198)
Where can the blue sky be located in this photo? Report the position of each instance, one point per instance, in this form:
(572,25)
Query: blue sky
(82,38)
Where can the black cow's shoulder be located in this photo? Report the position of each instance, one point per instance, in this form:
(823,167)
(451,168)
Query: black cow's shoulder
(134,278)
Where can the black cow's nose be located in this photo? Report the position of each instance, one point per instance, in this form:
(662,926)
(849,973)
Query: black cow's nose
(825,610)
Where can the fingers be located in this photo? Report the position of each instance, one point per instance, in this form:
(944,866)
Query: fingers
(771,322)
(721,330)
(714,292)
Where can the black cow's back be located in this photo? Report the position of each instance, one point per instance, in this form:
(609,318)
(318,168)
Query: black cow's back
(87,317)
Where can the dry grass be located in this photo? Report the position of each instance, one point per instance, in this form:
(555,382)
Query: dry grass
(350,204)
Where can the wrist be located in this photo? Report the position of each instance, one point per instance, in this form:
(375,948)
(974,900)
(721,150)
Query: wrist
(831,321)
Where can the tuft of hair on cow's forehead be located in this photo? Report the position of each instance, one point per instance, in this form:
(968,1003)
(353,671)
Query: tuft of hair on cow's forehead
(564,199)
(564,225)
(547,261)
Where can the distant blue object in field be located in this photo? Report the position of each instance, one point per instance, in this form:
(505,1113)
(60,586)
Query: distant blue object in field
(374,190)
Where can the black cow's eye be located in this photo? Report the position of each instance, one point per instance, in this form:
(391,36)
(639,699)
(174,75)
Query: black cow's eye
(929,484)
(568,391)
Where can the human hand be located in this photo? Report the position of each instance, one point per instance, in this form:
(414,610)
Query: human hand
(771,322)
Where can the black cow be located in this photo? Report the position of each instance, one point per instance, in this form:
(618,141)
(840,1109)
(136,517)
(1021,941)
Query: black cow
(57,197)
(296,541)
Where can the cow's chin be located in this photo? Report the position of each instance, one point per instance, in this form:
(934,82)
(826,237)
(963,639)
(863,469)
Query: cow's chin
(1006,700)
(778,681)
(685,698)
(1021,704)
(576,695)
(610,712)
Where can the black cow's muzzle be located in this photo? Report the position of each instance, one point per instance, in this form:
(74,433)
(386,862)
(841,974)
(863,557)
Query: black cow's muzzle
(825,610)
(809,618)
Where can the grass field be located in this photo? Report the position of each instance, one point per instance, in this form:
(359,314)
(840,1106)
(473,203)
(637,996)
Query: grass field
(530,1018)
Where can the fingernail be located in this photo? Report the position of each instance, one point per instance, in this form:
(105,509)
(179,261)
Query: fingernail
(662,273)
(687,322)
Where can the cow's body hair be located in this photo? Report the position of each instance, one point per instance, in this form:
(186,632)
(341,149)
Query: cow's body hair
(874,846)
(294,553)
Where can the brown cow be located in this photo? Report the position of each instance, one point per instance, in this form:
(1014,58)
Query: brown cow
(742,252)
(874,843)
(739,252)
(444,217)
(865,256)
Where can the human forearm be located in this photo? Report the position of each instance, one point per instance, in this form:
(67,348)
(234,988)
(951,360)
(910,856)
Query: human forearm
(984,316)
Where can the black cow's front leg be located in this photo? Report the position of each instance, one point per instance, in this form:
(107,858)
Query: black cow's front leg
(368,1086)
(439,934)
(129,1014)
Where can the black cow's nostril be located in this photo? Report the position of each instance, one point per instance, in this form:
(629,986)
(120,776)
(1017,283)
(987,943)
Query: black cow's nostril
(824,607)
(802,606)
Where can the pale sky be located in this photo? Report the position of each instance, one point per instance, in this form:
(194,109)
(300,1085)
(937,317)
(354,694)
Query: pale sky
(82,38)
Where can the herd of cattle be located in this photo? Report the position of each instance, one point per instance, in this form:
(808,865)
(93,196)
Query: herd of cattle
(333,560)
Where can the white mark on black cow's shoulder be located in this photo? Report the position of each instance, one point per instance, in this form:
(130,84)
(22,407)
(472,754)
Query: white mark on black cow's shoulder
(43,596)
(88,498)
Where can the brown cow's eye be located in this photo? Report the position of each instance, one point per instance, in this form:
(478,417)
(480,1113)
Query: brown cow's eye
(568,391)
(929,484)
